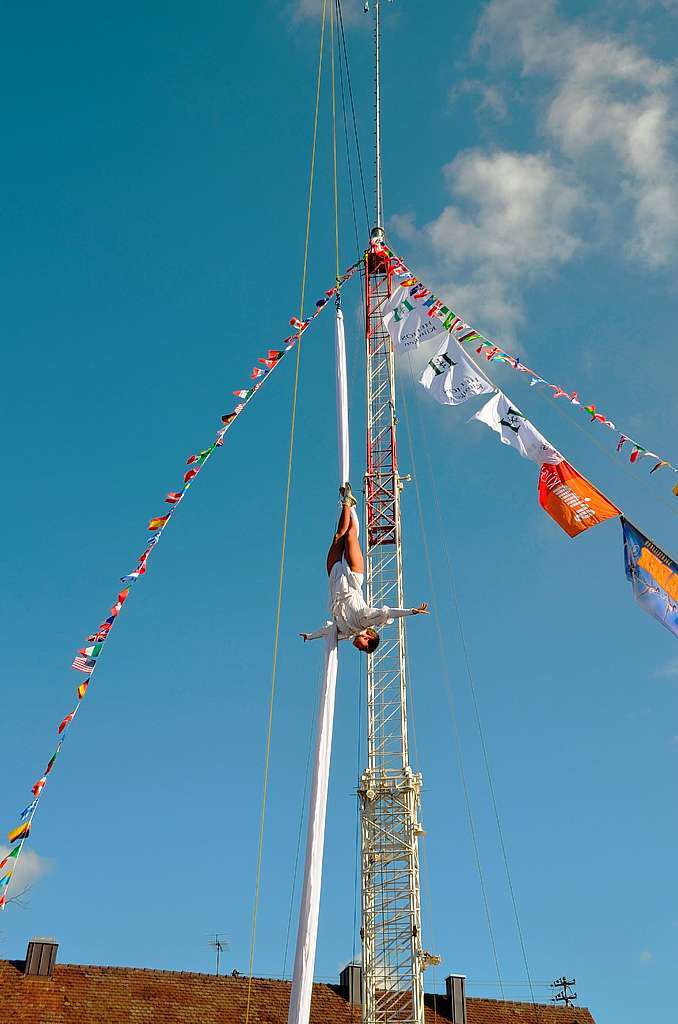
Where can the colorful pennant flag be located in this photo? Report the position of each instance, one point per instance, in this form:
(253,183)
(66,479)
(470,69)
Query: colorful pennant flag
(27,811)
(158,522)
(21,832)
(91,652)
(12,855)
(66,722)
(39,786)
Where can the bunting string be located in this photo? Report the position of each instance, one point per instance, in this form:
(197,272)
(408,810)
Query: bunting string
(417,293)
(452,377)
(87,658)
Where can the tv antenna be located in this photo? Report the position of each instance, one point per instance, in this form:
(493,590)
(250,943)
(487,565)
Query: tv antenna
(563,994)
(219,945)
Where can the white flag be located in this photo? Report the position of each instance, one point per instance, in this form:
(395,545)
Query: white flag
(452,377)
(407,316)
(500,415)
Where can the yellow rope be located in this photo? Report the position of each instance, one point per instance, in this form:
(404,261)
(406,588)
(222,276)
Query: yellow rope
(274,668)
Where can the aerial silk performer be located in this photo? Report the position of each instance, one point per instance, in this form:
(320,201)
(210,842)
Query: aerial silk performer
(351,617)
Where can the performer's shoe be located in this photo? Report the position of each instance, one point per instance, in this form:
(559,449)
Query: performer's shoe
(347,497)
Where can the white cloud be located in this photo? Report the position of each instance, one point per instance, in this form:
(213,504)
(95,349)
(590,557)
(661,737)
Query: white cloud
(669,670)
(610,112)
(490,97)
(512,220)
(30,868)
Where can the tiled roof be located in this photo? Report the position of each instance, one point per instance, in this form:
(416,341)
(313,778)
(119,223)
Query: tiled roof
(79,994)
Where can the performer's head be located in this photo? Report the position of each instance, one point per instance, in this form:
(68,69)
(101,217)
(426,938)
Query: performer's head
(367,641)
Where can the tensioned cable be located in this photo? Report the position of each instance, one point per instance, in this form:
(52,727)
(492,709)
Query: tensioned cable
(451,699)
(349,162)
(476,705)
(295,392)
(355,121)
(334,150)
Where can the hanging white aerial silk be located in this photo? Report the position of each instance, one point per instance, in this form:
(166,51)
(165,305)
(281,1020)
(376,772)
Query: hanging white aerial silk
(342,398)
(304,960)
(307,934)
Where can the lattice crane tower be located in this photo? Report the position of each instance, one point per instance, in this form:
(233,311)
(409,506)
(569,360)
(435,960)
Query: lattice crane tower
(393,956)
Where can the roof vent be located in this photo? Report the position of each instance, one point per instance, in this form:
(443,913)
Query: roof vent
(456,995)
(351,982)
(40,957)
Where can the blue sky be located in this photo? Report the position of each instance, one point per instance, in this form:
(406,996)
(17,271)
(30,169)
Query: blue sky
(155,184)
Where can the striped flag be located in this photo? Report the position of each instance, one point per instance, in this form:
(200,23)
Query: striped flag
(27,811)
(19,833)
(91,652)
(83,664)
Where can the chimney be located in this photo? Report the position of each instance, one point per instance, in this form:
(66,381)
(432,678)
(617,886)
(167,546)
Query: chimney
(456,997)
(351,982)
(40,957)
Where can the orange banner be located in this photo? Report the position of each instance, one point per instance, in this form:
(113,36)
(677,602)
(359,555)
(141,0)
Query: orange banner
(571,500)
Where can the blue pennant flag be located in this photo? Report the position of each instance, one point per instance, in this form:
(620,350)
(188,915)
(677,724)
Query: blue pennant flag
(27,811)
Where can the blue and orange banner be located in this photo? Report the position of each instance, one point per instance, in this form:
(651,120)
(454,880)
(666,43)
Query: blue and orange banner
(653,575)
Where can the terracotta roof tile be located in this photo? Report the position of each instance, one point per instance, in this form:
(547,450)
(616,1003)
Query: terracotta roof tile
(80,994)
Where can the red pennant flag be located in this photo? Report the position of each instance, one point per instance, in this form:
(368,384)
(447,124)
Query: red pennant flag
(190,474)
(66,722)
(39,786)
(173,497)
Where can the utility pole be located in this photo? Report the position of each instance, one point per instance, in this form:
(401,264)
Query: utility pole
(393,956)
(563,995)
